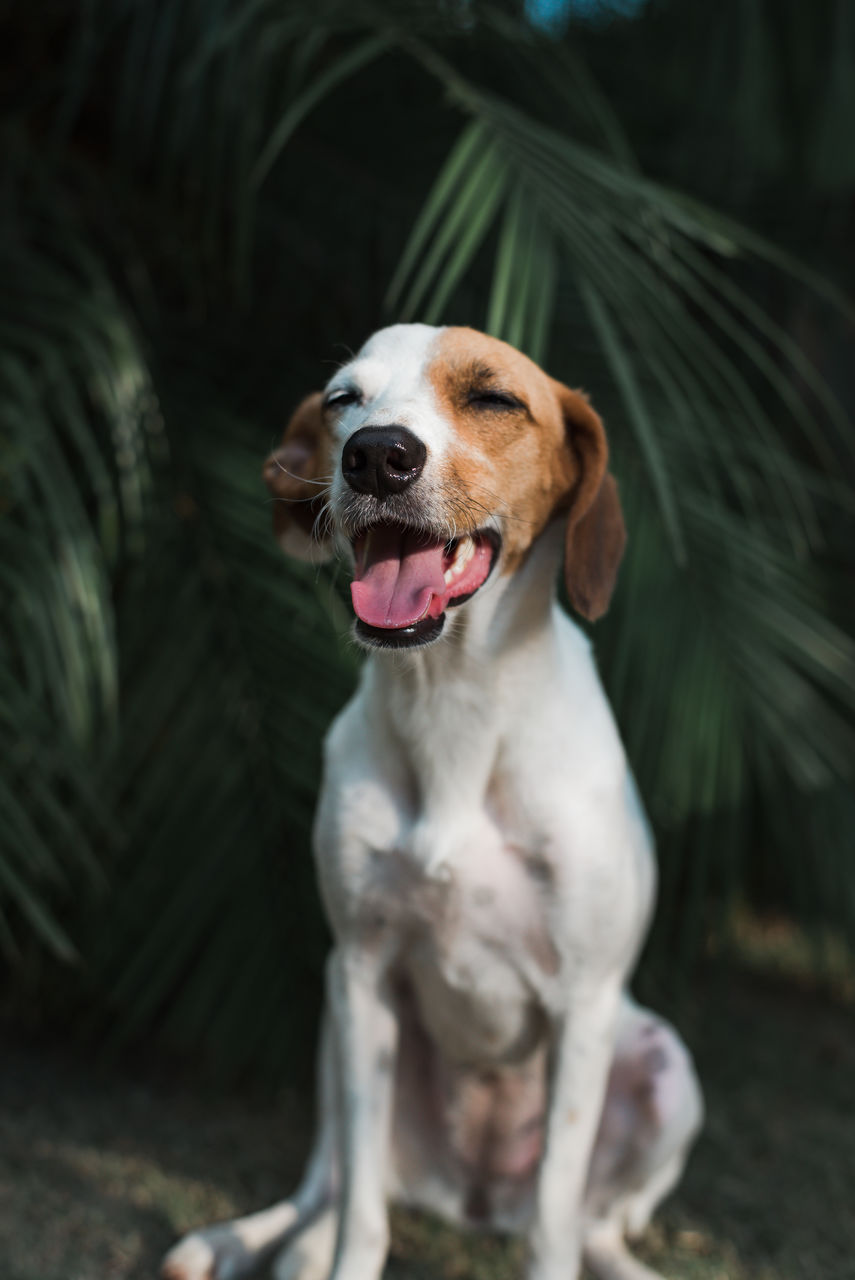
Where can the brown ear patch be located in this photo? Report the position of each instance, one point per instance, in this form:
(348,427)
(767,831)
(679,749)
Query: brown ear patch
(593,551)
(596,534)
(297,475)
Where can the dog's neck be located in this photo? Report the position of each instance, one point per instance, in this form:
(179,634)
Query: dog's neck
(449,708)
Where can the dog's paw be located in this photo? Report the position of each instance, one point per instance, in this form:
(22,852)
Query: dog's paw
(310,1256)
(216,1253)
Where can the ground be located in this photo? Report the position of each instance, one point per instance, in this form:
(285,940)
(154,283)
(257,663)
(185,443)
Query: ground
(99,1171)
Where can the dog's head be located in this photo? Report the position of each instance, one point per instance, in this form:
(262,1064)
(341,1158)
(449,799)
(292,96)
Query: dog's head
(440,456)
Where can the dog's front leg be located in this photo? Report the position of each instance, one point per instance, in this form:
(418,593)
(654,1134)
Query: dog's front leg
(583,1047)
(366,1032)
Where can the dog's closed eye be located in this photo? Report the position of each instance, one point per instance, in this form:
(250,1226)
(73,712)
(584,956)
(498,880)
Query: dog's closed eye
(488,398)
(343,397)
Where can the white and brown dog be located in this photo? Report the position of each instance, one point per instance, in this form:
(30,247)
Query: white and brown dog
(483,856)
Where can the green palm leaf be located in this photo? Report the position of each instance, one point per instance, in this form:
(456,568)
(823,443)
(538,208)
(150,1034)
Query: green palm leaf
(75,479)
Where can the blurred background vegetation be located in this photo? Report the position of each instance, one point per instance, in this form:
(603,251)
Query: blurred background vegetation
(204,204)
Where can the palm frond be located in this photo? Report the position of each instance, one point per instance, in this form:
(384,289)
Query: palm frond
(214,890)
(75,401)
(166,677)
(655,297)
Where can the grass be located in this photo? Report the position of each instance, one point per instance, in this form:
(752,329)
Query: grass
(99,1171)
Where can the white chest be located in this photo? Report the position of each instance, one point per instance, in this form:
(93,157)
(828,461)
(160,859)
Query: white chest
(485,838)
(475,943)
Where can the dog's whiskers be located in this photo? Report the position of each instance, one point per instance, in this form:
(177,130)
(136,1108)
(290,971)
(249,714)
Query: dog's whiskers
(323,483)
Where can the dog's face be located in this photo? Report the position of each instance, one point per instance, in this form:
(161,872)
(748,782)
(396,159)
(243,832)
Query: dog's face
(440,456)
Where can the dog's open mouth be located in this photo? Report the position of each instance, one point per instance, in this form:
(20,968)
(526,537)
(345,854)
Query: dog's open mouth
(404,581)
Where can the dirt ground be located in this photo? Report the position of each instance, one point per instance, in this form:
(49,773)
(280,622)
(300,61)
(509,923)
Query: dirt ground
(100,1171)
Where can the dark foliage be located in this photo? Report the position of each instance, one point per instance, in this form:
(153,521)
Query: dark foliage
(201,202)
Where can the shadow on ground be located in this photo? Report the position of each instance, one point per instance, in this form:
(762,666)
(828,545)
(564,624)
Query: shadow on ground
(99,1172)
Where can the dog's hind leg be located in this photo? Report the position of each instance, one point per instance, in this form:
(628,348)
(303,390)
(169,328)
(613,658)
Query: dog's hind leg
(651,1115)
(229,1250)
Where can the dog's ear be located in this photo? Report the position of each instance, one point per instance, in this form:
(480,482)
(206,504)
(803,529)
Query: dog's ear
(596,534)
(297,474)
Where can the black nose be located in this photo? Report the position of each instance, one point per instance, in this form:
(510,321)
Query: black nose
(382,460)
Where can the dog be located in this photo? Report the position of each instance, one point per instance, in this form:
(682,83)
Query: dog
(484,860)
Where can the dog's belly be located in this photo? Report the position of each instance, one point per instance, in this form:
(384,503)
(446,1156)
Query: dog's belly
(468,1138)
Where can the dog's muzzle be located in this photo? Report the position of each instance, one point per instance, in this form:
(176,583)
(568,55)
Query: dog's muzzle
(406,575)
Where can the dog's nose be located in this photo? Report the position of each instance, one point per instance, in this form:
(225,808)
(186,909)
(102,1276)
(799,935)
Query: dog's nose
(382,460)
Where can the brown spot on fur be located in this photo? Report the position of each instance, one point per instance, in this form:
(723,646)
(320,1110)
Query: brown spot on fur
(527,461)
(543,951)
(511,461)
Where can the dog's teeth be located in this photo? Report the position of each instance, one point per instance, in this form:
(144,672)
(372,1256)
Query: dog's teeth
(463,553)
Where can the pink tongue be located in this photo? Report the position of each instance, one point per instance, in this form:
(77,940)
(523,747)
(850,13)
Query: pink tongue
(397,573)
